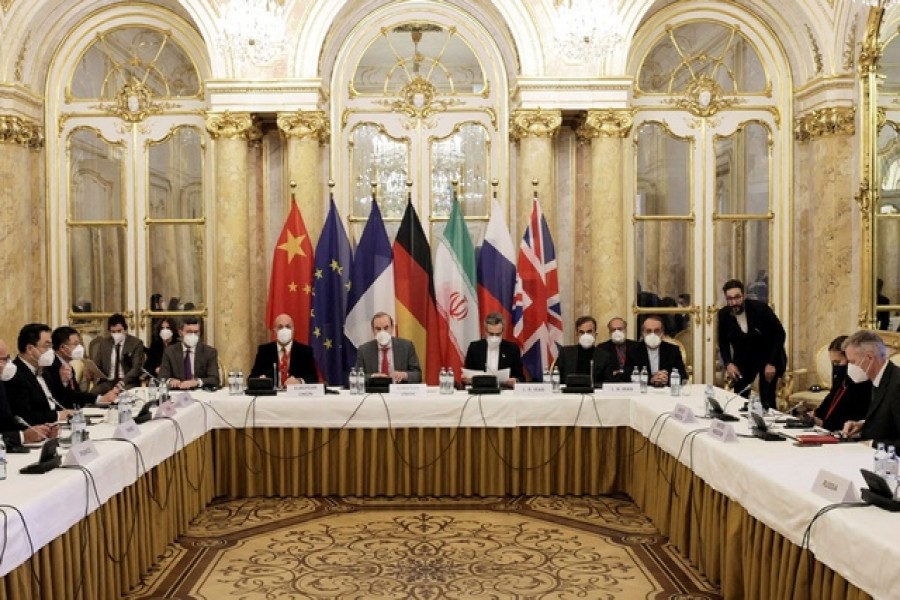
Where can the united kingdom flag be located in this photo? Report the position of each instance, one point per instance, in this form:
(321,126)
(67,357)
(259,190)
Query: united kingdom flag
(537,312)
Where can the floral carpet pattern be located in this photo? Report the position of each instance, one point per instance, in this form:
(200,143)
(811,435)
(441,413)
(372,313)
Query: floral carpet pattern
(424,549)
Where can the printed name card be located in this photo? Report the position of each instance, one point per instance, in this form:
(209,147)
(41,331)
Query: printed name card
(533,388)
(683,414)
(408,389)
(165,410)
(127,430)
(722,431)
(182,400)
(834,488)
(306,390)
(621,388)
(81,454)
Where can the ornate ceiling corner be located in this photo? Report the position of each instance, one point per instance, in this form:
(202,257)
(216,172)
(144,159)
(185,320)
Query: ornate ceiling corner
(606,123)
(229,125)
(134,103)
(703,97)
(19,70)
(534,123)
(18,131)
(849,58)
(837,120)
(305,124)
(817,54)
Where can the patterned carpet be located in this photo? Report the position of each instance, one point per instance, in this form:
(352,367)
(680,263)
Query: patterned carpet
(423,548)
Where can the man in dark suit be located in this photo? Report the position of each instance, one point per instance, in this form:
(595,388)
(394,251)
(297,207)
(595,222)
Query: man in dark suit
(493,353)
(584,357)
(287,358)
(661,358)
(619,347)
(120,356)
(751,343)
(190,364)
(389,356)
(13,432)
(60,376)
(29,396)
(867,361)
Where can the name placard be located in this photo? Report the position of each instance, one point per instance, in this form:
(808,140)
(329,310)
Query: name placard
(533,388)
(81,454)
(408,389)
(305,390)
(834,488)
(166,409)
(183,399)
(683,414)
(127,430)
(722,431)
(620,388)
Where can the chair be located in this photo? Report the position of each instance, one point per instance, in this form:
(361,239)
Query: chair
(688,377)
(823,380)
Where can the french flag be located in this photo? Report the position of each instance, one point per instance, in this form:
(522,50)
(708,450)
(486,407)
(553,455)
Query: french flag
(496,270)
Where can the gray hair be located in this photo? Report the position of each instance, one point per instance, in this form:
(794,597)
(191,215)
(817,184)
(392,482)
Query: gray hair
(867,341)
(493,318)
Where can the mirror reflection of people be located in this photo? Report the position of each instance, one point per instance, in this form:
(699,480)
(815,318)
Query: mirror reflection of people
(285,357)
(847,400)
(388,356)
(164,335)
(751,343)
(493,353)
(882,317)
(190,364)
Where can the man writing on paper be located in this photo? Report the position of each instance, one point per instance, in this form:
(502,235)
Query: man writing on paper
(389,356)
(287,358)
(494,354)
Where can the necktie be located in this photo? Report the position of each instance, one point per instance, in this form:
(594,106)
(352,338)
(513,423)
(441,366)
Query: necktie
(283,365)
(188,369)
(385,364)
(118,366)
(621,354)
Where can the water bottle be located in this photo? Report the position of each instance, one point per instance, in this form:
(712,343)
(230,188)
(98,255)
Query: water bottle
(878,464)
(360,381)
(756,406)
(675,383)
(546,376)
(554,379)
(2,458)
(891,467)
(232,376)
(710,395)
(79,429)
(352,384)
(240,381)
(451,381)
(644,379)
(163,391)
(153,390)
(635,376)
(125,404)
(442,380)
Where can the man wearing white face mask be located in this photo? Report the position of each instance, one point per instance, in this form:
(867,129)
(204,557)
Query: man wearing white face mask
(493,353)
(29,396)
(286,358)
(619,347)
(585,357)
(389,356)
(190,364)
(120,356)
(660,357)
(60,376)
(14,433)
(867,361)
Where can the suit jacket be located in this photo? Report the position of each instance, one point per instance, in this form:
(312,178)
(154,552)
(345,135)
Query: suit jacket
(27,398)
(132,361)
(883,419)
(621,373)
(567,362)
(405,358)
(65,395)
(510,358)
(206,364)
(762,344)
(8,426)
(669,358)
(852,405)
(302,364)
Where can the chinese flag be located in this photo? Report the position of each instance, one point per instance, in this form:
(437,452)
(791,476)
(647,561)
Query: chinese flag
(290,289)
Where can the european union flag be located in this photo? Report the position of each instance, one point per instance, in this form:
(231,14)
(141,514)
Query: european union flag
(331,282)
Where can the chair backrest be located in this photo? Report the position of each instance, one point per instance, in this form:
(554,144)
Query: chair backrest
(684,356)
(823,366)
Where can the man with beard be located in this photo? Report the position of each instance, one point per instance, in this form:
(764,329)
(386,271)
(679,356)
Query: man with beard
(751,343)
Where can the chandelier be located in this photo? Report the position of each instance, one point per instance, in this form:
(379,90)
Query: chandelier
(253,30)
(586,29)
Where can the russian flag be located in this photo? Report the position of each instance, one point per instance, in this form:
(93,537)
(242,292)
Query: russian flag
(496,270)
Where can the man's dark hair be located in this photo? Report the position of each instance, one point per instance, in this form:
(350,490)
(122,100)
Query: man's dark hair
(584,319)
(191,320)
(30,335)
(61,335)
(731,284)
(837,344)
(655,317)
(116,319)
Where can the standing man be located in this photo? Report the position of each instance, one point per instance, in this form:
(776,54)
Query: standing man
(867,361)
(294,362)
(751,343)
(661,358)
(190,364)
(619,347)
(493,353)
(120,356)
(585,357)
(389,356)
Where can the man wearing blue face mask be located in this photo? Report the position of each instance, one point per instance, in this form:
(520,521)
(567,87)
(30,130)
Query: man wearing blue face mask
(867,361)
(190,364)
(493,353)
(661,358)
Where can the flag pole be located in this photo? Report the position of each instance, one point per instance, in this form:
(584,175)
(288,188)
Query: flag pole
(455,184)
(494,184)
(409,185)
(374,185)
(534,184)
(331,189)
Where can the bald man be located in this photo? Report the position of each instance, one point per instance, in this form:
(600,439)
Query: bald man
(287,358)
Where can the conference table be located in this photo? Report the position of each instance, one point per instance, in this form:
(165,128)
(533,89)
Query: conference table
(739,510)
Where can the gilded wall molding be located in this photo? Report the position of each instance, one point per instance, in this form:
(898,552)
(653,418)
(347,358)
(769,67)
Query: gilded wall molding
(817,54)
(229,125)
(836,120)
(15,130)
(606,123)
(526,123)
(305,124)
(19,71)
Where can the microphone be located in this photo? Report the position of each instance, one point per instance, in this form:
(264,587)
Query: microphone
(737,395)
(153,379)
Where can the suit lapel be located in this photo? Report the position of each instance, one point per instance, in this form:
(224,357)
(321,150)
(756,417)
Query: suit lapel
(880,391)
